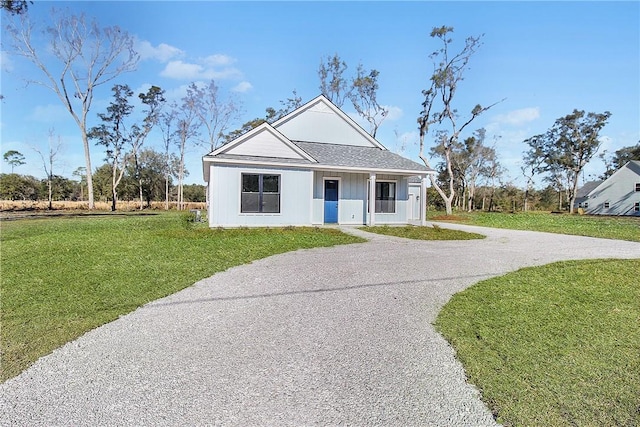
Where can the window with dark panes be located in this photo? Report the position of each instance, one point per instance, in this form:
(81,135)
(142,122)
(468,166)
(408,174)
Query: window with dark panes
(260,193)
(385,197)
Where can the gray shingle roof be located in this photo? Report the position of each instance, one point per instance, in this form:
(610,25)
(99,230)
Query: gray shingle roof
(587,188)
(358,157)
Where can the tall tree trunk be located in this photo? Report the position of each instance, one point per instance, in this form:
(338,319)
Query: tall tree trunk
(50,188)
(87,161)
(114,196)
(140,191)
(166,192)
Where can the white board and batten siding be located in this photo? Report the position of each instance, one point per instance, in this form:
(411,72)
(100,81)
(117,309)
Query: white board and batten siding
(265,144)
(353,196)
(320,123)
(225,188)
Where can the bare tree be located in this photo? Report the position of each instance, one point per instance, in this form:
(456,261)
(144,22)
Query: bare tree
(167,122)
(438,106)
(479,159)
(87,57)
(186,130)
(332,84)
(214,113)
(363,96)
(48,161)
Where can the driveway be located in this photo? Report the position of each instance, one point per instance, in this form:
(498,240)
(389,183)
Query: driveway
(328,336)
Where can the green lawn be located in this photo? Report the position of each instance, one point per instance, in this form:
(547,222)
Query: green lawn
(622,228)
(64,276)
(423,233)
(557,345)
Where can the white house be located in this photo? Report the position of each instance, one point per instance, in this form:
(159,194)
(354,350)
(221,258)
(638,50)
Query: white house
(313,166)
(617,195)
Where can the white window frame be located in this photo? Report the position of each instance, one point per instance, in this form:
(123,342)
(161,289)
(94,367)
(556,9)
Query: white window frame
(395,199)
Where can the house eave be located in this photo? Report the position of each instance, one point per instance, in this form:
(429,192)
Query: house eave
(207,160)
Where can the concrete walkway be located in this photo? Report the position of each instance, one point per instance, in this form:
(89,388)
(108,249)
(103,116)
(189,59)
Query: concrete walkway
(328,336)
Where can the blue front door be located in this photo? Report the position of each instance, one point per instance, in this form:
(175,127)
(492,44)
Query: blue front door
(331,201)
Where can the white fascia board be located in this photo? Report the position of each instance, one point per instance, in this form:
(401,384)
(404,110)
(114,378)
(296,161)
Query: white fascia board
(335,109)
(405,172)
(214,160)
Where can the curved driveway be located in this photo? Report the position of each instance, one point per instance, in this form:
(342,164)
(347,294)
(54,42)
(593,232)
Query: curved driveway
(328,336)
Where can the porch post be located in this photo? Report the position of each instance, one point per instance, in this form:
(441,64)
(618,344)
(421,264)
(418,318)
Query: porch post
(372,199)
(423,200)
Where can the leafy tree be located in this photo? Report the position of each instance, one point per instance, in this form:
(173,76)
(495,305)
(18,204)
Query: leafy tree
(14,158)
(62,188)
(81,173)
(150,173)
(332,83)
(195,193)
(87,57)
(438,105)
(619,159)
(19,187)
(533,163)
(16,7)
(154,101)
(568,146)
(123,143)
(113,135)
(363,96)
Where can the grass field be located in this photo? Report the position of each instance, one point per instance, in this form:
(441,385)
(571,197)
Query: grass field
(423,233)
(557,345)
(622,228)
(64,276)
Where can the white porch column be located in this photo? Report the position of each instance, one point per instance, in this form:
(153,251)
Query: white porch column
(372,199)
(423,200)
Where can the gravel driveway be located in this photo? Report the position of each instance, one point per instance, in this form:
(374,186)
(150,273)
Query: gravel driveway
(329,336)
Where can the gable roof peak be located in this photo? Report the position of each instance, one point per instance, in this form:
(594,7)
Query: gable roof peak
(318,105)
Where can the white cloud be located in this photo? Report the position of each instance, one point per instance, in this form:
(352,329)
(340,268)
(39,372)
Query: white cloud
(242,87)
(163,52)
(518,117)
(393,112)
(218,60)
(191,71)
(5,61)
(182,70)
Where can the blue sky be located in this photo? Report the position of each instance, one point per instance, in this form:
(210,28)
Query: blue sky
(545,58)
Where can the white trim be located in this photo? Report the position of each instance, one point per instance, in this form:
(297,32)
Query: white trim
(423,203)
(331,178)
(316,167)
(395,198)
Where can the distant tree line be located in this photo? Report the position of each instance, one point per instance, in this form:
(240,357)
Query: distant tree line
(146,178)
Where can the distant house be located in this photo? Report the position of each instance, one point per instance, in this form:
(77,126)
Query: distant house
(617,195)
(313,166)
